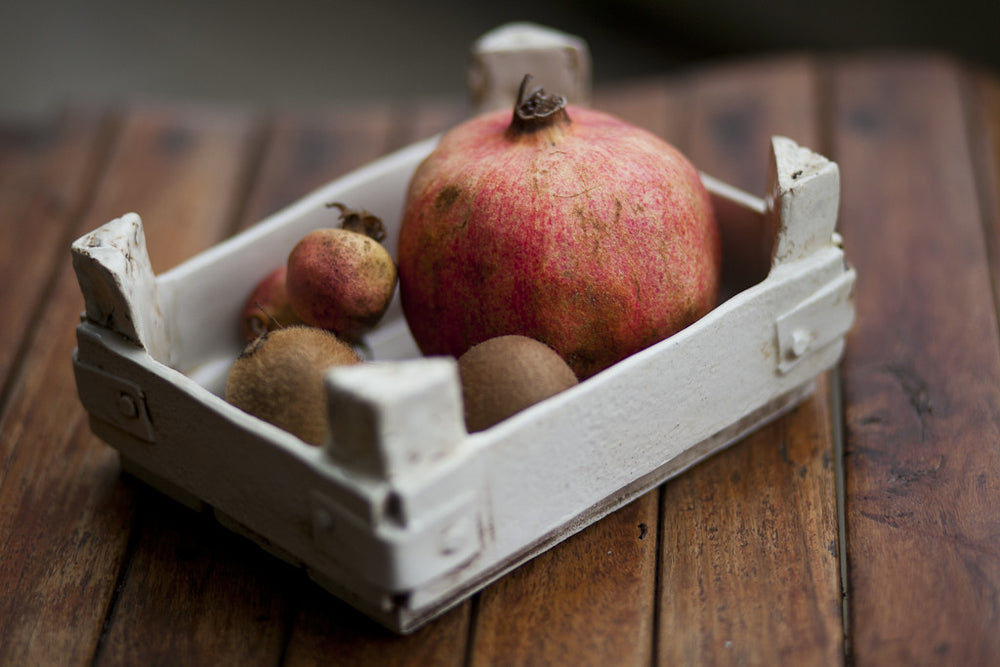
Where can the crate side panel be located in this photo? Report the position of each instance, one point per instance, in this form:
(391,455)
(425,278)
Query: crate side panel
(556,460)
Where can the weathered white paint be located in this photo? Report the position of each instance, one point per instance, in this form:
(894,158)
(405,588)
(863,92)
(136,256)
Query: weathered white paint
(387,419)
(558,62)
(402,513)
(119,289)
(802,185)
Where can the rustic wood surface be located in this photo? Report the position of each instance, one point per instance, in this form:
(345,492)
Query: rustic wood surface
(863,527)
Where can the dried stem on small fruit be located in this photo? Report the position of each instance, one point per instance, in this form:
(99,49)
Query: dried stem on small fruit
(361,221)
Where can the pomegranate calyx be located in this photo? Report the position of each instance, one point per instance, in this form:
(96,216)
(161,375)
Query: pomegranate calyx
(536,111)
(361,222)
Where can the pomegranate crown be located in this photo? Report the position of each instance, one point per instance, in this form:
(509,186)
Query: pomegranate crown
(536,111)
(361,222)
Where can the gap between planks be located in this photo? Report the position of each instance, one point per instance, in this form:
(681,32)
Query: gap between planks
(826,127)
(836,399)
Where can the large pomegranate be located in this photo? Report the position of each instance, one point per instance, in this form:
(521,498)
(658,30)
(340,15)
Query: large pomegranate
(559,223)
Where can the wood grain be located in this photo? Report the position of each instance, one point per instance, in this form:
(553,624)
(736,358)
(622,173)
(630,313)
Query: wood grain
(63,525)
(185,170)
(983,113)
(67,511)
(921,373)
(590,600)
(749,572)
(192,593)
(738,559)
(427,117)
(46,171)
(737,108)
(221,596)
(306,150)
(327,631)
(324,628)
(749,569)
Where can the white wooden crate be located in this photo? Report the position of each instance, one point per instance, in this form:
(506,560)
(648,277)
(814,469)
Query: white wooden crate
(402,513)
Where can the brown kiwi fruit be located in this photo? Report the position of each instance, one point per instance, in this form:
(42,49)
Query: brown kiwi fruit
(279,378)
(504,375)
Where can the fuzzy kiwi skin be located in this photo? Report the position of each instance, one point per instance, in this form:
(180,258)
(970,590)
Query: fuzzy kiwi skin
(504,375)
(279,378)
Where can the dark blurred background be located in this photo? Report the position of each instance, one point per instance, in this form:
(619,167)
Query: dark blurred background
(297,53)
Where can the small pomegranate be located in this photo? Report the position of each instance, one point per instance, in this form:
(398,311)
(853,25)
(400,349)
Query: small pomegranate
(342,279)
(267,308)
(561,223)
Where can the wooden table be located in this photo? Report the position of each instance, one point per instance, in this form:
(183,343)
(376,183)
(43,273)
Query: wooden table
(863,527)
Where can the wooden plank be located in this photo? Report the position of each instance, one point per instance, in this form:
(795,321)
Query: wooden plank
(426,117)
(67,510)
(323,628)
(306,150)
(46,171)
(589,600)
(194,593)
(984,122)
(749,569)
(185,170)
(921,373)
(218,595)
(45,176)
(737,108)
(224,597)
(327,631)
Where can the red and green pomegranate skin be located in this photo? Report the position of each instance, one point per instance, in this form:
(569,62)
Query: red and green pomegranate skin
(582,231)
